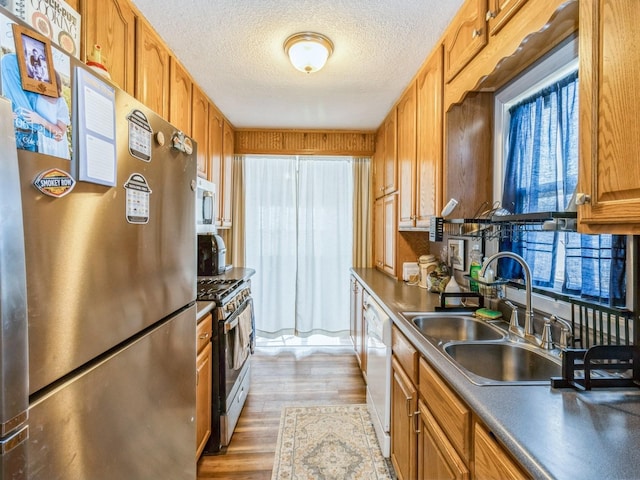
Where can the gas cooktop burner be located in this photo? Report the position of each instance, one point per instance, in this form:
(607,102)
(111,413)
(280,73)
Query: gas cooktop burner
(212,288)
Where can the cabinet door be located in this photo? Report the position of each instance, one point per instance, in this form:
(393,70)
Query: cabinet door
(180,87)
(390,153)
(152,69)
(378,164)
(429,140)
(390,227)
(111,24)
(436,457)
(609,121)
(407,158)
(216,128)
(200,129)
(226,195)
(491,461)
(378,233)
(465,37)
(357,319)
(203,398)
(499,13)
(404,440)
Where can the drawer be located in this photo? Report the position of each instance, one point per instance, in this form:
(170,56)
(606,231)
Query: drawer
(449,411)
(203,332)
(406,354)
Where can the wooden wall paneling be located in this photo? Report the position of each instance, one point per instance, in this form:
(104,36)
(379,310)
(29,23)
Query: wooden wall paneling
(468,166)
(180,87)
(111,24)
(300,142)
(152,69)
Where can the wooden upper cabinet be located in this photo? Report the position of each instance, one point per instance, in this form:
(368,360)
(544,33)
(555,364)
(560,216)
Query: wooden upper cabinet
(406,111)
(429,139)
(378,164)
(390,153)
(465,37)
(152,69)
(378,233)
(226,194)
(499,13)
(111,24)
(180,86)
(609,121)
(216,127)
(200,129)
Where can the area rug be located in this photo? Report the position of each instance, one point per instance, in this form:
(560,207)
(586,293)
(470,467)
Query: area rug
(328,443)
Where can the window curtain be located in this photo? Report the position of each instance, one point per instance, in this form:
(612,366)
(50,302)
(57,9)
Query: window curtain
(362,203)
(299,235)
(237,241)
(541,175)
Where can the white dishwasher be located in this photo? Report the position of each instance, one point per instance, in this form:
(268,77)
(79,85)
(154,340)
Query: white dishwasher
(378,347)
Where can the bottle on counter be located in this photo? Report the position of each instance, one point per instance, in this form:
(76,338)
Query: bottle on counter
(475,265)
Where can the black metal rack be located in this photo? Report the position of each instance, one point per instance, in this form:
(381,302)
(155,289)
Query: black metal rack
(610,363)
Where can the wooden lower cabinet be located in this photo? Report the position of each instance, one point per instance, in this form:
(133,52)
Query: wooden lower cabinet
(490,460)
(204,362)
(404,438)
(437,459)
(434,434)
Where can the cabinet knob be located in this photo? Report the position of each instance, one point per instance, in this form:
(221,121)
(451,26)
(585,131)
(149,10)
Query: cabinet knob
(476,33)
(582,198)
(490,15)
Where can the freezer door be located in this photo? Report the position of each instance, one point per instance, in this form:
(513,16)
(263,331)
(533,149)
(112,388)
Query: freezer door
(94,279)
(13,307)
(131,416)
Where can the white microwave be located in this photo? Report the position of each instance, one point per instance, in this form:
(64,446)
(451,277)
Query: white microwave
(206,207)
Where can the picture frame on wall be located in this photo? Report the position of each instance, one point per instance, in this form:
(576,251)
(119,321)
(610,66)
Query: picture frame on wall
(455,250)
(35,61)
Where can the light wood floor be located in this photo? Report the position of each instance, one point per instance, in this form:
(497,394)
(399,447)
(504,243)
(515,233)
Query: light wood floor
(283,377)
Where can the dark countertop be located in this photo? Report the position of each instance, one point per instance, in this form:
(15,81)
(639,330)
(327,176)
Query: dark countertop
(203,307)
(553,433)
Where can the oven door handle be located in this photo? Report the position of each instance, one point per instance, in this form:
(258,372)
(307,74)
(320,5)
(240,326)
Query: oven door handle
(232,322)
(228,326)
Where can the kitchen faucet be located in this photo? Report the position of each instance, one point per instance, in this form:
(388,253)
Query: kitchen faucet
(528,315)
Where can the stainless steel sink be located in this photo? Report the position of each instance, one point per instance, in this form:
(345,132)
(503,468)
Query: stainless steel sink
(456,327)
(502,362)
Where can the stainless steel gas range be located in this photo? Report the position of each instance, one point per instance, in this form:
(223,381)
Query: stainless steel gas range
(233,343)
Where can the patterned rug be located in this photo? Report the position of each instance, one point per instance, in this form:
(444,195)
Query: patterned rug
(328,443)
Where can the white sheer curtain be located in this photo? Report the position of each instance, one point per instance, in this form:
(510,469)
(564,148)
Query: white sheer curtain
(299,230)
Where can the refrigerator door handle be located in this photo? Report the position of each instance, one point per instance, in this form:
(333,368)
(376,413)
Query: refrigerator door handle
(10,443)
(14,349)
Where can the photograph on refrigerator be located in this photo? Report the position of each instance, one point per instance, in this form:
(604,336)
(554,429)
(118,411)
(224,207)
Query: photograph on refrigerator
(42,121)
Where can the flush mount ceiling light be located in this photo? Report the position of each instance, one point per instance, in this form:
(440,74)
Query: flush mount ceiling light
(308,51)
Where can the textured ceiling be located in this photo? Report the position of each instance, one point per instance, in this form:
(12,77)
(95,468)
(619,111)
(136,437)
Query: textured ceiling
(234,51)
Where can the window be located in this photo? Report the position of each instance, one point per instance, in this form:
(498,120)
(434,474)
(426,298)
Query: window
(540,125)
(298,237)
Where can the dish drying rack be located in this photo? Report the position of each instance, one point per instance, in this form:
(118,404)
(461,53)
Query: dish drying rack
(503,227)
(602,366)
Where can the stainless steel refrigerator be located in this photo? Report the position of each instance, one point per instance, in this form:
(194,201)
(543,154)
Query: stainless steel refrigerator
(97,345)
